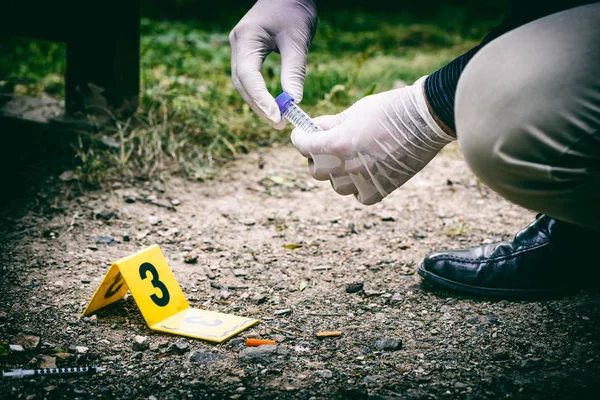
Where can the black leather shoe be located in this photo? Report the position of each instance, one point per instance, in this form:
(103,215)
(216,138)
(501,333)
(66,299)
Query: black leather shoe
(546,259)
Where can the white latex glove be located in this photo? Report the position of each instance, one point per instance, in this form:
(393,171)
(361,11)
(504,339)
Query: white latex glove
(376,145)
(284,26)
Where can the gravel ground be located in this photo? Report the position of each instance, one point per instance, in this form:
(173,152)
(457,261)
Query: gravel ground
(311,261)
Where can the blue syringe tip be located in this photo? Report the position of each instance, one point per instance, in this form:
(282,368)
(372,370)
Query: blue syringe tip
(283,101)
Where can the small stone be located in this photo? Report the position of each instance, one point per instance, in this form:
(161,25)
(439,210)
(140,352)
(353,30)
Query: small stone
(105,240)
(130,199)
(153,346)
(46,361)
(93,319)
(370,379)
(190,258)
(459,385)
(241,389)
(154,220)
(321,268)
(239,272)
(387,344)
(282,311)
(86,281)
(151,397)
(419,234)
(500,355)
(354,287)
(259,298)
(105,215)
(81,349)
(93,248)
(201,358)
(397,297)
(175,201)
(179,347)
(387,218)
(140,343)
(64,356)
(126,237)
(29,342)
(264,353)
(50,388)
(248,222)
(16,347)
(324,373)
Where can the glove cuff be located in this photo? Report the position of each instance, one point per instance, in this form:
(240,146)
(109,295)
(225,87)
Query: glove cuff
(420,102)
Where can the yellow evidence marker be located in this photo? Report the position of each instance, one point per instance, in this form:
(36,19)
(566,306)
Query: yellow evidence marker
(160,299)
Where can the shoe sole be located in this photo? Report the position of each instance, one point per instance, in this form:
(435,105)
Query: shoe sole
(492,292)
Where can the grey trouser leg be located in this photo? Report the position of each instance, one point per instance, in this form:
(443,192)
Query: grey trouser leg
(528,115)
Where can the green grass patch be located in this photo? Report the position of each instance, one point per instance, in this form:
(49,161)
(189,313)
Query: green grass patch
(191,119)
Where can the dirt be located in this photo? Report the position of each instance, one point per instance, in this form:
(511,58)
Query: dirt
(301,245)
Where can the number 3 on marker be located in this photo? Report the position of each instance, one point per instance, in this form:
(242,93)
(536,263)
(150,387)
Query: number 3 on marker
(163,300)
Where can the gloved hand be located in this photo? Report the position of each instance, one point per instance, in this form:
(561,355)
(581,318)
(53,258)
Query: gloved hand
(285,26)
(376,145)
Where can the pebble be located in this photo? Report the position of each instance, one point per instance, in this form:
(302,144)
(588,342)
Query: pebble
(259,298)
(154,220)
(200,357)
(126,236)
(93,318)
(387,218)
(16,347)
(140,343)
(387,344)
(354,287)
(419,234)
(324,373)
(190,259)
(175,201)
(266,352)
(29,342)
(3,315)
(370,379)
(130,199)
(321,268)
(282,311)
(248,222)
(397,297)
(179,347)
(81,349)
(239,272)
(106,240)
(46,361)
(105,214)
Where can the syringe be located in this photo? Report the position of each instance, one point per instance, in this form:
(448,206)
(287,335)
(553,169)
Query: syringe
(22,373)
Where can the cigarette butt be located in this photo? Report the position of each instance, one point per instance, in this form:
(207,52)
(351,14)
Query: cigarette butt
(258,342)
(328,334)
